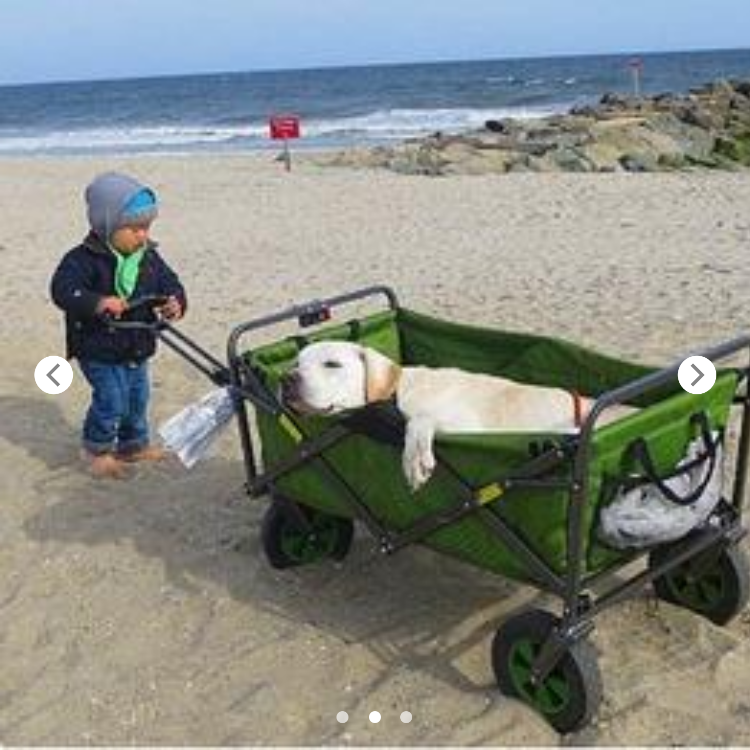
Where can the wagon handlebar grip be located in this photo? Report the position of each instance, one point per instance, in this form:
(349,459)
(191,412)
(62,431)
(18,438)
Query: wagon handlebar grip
(156,326)
(151,301)
(148,300)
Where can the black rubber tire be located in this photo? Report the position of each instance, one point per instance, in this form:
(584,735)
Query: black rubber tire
(287,543)
(715,583)
(570,695)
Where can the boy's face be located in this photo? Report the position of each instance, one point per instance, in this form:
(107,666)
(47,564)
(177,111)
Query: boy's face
(131,237)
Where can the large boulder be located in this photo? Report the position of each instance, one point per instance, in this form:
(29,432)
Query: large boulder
(694,113)
(689,141)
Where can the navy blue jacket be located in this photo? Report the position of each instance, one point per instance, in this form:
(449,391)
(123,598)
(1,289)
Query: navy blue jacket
(85,275)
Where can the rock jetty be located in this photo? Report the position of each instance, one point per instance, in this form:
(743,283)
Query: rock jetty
(707,128)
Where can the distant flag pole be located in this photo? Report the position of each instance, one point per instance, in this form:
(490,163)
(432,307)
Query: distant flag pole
(636,70)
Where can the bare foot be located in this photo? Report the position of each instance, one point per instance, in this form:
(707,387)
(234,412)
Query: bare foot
(106,466)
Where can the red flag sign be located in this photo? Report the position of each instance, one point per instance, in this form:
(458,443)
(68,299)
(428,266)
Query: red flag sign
(283,127)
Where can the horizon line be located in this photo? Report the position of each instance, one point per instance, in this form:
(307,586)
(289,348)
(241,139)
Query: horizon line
(355,66)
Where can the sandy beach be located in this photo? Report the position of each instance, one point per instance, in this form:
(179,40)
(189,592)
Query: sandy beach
(143,612)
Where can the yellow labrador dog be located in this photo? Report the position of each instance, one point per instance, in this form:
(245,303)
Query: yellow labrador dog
(335,376)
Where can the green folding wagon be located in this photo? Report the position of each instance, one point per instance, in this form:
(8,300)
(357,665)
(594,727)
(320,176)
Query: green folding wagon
(523,505)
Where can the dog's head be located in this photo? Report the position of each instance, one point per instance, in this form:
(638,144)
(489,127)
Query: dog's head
(335,376)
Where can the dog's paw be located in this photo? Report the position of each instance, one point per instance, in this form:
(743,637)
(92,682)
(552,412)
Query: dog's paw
(418,467)
(418,457)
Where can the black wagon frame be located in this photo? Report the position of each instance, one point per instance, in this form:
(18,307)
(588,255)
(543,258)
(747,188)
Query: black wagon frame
(578,592)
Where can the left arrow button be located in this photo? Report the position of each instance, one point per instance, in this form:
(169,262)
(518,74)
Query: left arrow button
(53,375)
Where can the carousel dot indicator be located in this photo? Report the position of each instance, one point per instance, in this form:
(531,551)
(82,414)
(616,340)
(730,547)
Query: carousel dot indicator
(374,717)
(405,717)
(342,717)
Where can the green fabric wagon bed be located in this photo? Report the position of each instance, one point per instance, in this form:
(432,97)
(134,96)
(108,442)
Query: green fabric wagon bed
(537,515)
(525,506)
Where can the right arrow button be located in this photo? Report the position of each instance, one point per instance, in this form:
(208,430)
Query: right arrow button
(700,366)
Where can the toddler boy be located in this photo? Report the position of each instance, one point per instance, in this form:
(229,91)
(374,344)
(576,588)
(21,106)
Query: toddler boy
(116,262)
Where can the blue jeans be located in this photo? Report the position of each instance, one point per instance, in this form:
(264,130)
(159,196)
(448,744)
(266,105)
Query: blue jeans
(117,419)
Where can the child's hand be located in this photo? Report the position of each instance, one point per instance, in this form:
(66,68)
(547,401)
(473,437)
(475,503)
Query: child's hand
(114,306)
(172,310)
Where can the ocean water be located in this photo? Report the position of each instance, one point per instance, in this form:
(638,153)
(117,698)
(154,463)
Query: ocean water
(337,106)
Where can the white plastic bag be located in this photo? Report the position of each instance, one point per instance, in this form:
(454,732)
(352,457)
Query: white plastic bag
(644,516)
(192,431)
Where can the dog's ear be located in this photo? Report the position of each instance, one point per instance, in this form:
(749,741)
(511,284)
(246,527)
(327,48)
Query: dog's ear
(381,375)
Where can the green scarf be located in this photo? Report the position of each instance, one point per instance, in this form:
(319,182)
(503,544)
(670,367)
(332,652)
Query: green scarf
(126,273)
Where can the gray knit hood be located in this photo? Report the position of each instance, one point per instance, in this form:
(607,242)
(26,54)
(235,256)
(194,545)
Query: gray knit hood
(106,198)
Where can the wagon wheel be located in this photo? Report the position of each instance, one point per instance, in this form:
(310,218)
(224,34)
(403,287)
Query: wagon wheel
(569,696)
(714,583)
(288,543)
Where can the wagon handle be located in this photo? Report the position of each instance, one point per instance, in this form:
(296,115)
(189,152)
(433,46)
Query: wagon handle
(187,348)
(640,453)
(307,314)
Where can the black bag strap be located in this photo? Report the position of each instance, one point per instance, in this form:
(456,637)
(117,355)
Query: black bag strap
(639,451)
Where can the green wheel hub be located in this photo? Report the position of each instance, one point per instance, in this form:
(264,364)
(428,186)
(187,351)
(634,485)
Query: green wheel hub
(312,545)
(698,592)
(552,694)
(295,535)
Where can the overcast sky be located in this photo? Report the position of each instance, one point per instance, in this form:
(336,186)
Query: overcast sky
(47,40)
